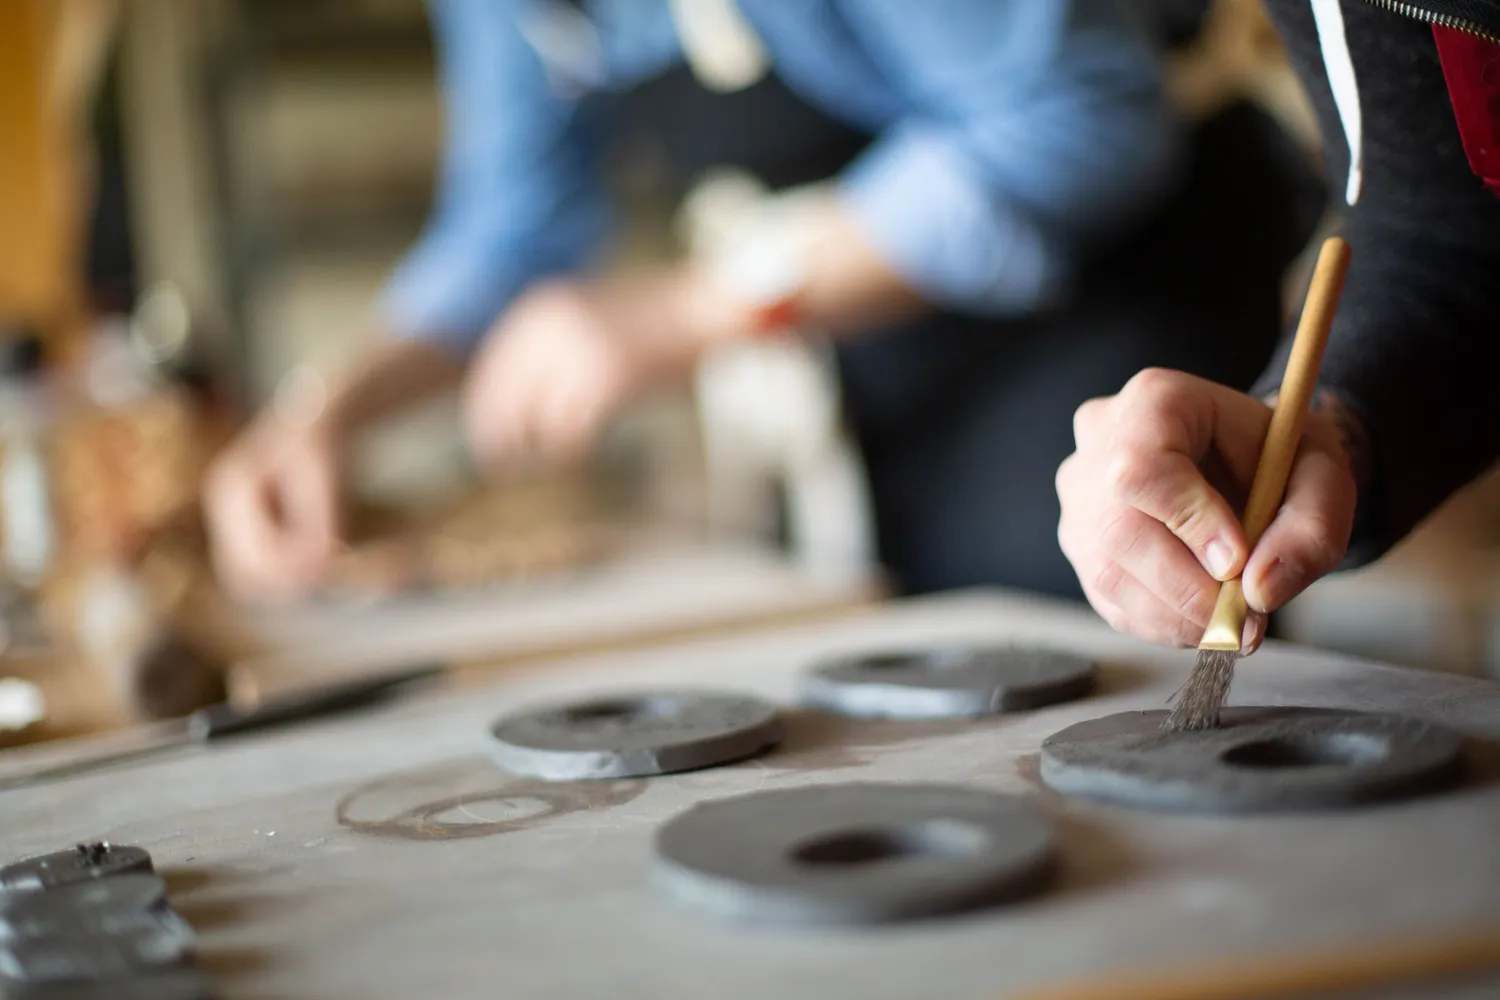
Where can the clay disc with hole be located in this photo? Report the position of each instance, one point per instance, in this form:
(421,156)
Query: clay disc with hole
(951,682)
(853,853)
(1257,760)
(633,735)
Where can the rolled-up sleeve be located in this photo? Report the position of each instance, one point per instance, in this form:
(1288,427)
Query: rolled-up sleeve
(517,197)
(1038,128)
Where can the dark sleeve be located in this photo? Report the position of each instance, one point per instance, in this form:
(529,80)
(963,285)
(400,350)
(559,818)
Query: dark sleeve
(1415,348)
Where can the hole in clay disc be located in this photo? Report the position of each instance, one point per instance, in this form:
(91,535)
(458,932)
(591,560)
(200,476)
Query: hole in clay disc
(618,711)
(1337,750)
(935,839)
(933,659)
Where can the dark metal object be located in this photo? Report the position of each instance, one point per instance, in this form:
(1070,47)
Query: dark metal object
(81,864)
(947,682)
(118,905)
(95,957)
(853,853)
(223,720)
(178,984)
(633,735)
(1257,760)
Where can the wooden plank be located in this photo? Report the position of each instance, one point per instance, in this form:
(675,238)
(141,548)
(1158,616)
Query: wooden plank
(652,596)
(386,856)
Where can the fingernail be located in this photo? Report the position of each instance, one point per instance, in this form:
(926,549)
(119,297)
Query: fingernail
(1220,559)
(1255,631)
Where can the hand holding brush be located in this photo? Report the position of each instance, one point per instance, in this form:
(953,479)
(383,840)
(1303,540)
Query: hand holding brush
(1199,702)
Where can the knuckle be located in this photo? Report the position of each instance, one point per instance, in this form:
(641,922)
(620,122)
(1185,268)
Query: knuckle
(1128,472)
(1151,384)
(1190,599)
(1088,418)
(1319,544)
(1062,481)
(1107,578)
(1120,534)
(1191,520)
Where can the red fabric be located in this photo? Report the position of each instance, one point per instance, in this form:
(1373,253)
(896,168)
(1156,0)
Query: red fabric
(1471,65)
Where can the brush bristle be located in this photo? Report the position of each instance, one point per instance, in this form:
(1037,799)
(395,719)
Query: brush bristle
(1202,697)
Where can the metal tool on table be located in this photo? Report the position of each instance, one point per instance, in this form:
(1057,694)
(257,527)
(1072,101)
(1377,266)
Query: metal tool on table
(223,720)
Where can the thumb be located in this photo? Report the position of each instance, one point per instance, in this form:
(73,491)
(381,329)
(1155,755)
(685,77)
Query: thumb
(1310,533)
(1170,488)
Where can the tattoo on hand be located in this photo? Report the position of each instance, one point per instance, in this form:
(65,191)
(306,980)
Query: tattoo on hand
(1353,436)
(1352,433)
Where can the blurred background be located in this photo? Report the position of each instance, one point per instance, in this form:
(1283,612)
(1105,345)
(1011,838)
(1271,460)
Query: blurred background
(199,199)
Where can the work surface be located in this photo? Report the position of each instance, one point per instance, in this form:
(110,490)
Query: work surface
(386,856)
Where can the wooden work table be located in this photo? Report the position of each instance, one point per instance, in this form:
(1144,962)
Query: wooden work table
(383,856)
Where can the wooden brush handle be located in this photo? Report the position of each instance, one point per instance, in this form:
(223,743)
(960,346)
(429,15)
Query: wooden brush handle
(1306,974)
(1285,433)
(1297,386)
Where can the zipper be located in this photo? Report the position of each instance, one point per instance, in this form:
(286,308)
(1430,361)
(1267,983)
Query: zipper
(1453,21)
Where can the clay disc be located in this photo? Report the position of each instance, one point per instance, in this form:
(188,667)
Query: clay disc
(947,682)
(1258,760)
(81,864)
(853,853)
(633,735)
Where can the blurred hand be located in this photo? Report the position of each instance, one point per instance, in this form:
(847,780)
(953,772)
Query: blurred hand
(272,503)
(274,499)
(568,353)
(1150,496)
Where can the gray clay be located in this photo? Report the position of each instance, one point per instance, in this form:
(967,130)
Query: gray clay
(123,904)
(95,957)
(853,853)
(180,984)
(946,682)
(79,864)
(634,735)
(1257,760)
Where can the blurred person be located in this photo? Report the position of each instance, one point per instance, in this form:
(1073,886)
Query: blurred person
(1405,414)
(1021,223)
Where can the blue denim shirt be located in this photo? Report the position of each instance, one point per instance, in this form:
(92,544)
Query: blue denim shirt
(1010,135)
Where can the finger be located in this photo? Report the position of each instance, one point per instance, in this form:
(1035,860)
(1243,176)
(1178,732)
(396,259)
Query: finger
(492,408)
(1132,609)
(1310,533)
(586,405)
(1254,634)
(1169,488)
(1166,410)
(572,418)
(308,493)
(1144,549)
(246,542)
